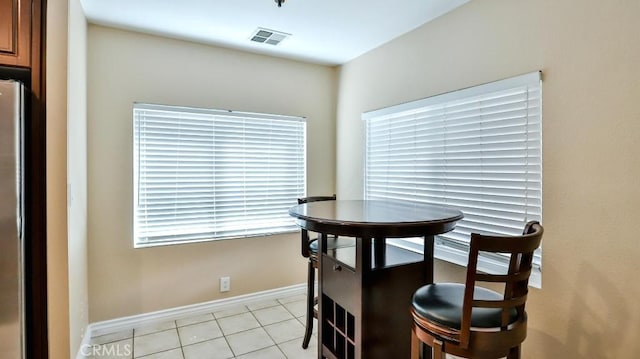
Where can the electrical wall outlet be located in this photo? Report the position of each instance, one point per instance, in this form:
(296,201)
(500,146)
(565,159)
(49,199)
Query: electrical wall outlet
(225,284)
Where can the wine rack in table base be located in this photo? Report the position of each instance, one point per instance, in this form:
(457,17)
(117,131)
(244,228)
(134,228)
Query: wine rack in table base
(364,312)
(338,330)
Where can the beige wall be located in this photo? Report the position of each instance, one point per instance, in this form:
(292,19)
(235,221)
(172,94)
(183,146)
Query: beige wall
(77,174)
(589,52)
(126,67)
(66,135)
(57,250)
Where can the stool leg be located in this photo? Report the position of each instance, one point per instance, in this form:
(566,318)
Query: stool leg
(427,351)
(310,303)
(415,345)
(514,353)
(437,350)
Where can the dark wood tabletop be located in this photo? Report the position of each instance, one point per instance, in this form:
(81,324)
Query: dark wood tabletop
(375,218)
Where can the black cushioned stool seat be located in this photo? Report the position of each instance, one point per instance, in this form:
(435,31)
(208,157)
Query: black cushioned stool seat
(442,303)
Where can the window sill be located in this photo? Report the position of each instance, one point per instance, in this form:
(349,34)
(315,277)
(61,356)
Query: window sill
(137,245)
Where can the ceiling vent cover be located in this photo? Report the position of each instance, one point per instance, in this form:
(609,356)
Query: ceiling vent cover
(266,36)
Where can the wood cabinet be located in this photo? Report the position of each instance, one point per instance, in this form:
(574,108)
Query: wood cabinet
(15,32)
(364,311)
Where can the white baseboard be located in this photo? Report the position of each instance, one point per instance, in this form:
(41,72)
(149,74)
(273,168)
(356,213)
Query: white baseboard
(124,323)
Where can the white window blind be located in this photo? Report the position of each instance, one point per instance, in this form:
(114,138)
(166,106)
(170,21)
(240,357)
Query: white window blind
(208,174)
(478,149)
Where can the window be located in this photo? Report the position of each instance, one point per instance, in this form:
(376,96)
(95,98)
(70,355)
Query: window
(207,174)
(478,149)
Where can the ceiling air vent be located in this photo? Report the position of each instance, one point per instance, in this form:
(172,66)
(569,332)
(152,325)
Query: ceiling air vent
(267,36)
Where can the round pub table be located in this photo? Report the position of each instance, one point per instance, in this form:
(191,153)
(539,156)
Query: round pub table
(365,290)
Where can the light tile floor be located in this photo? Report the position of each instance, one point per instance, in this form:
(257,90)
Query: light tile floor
(271,329)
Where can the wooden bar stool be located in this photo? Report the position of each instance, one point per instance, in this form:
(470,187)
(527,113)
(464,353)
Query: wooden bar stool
(310,250)
(473,322)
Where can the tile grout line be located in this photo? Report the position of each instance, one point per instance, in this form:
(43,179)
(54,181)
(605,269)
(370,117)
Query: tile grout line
(294,318)
(180,339)
(159,331)
(225,335)
(261,326)
(182,346)
(133,343)
(266,331)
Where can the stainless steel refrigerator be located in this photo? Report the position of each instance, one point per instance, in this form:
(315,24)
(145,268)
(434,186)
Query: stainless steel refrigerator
(12,298)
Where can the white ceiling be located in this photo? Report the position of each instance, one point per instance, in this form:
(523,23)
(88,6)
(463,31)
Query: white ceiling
(322,31)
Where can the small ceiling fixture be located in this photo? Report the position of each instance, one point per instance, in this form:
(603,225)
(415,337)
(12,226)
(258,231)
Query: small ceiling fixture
(279,2)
